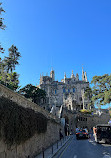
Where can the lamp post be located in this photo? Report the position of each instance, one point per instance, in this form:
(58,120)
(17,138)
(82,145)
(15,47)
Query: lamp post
(82,91)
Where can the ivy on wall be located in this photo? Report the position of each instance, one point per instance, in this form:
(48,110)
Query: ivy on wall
(18,124)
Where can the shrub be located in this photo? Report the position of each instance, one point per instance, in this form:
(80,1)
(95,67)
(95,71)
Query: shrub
(85,111)
(18,124)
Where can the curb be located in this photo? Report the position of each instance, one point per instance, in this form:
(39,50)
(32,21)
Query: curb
(59,148)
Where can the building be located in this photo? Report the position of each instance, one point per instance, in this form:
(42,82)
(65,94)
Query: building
(91,120)
(68,93)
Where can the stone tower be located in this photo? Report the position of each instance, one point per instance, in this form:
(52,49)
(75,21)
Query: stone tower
(72,75)
(83,76)
(77,77)
(52,75)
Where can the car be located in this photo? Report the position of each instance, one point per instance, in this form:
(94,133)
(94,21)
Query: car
(83,133)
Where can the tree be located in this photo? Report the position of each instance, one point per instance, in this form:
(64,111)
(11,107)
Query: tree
(102,89)
(2,26)
(34,93)
(88,95)
(12,60)
(7,66)
(13,81)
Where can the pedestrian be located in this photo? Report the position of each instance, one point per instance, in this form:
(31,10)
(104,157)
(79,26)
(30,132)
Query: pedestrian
(94,132)
(60,133)
(77,129)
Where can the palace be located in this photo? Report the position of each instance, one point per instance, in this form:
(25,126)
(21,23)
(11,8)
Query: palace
(68,93)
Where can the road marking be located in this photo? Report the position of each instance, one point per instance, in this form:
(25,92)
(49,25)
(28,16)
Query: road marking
(106,156)
(75,156)
(65,149)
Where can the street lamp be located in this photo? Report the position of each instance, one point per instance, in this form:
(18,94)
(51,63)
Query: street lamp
(82,92)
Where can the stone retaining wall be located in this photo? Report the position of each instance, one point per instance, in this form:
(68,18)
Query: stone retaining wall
(34,145)
(22,101)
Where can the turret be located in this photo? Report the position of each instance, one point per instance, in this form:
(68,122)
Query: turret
(85,76)
(72,75)
(41,78)
(52,75)
(64,75)
(77,77)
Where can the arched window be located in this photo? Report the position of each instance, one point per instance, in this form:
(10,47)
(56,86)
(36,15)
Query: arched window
(68,90)
(55,91)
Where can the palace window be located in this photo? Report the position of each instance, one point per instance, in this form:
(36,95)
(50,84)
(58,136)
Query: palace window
(55,91)
(80,98)
(80,118)
(64,90)
(74,90)
(68,90)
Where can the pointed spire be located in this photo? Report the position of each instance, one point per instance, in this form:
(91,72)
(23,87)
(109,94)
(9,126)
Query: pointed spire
(82,74)
(77,77)
(40,77)
(64,75)
(72,75)
(85,76)
(52,75)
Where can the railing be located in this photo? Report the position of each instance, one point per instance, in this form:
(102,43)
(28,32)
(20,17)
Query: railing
(49,152)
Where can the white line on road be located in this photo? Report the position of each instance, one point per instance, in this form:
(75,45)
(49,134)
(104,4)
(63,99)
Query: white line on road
(75,156)
(106,156)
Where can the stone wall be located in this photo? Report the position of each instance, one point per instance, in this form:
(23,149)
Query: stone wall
(22,101)
(35,144)
(70,119)
(92,120)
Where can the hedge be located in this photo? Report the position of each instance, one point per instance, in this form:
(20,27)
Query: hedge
(17,124)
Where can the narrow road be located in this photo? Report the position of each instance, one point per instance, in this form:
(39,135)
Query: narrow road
(84,148)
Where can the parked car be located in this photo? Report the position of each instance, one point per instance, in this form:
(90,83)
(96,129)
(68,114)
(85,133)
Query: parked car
(82,134)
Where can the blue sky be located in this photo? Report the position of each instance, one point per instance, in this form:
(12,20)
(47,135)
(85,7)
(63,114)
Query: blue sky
(63,34)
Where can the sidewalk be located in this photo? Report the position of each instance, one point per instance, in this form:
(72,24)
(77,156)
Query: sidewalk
(52,150)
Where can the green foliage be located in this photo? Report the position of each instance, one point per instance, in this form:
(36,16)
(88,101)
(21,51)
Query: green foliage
(101,89)
(12,60)
(2,26)
(19,124)
(7,66)
(88,92)
(85,111)
(10,80)
(32,92)
(88,95)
